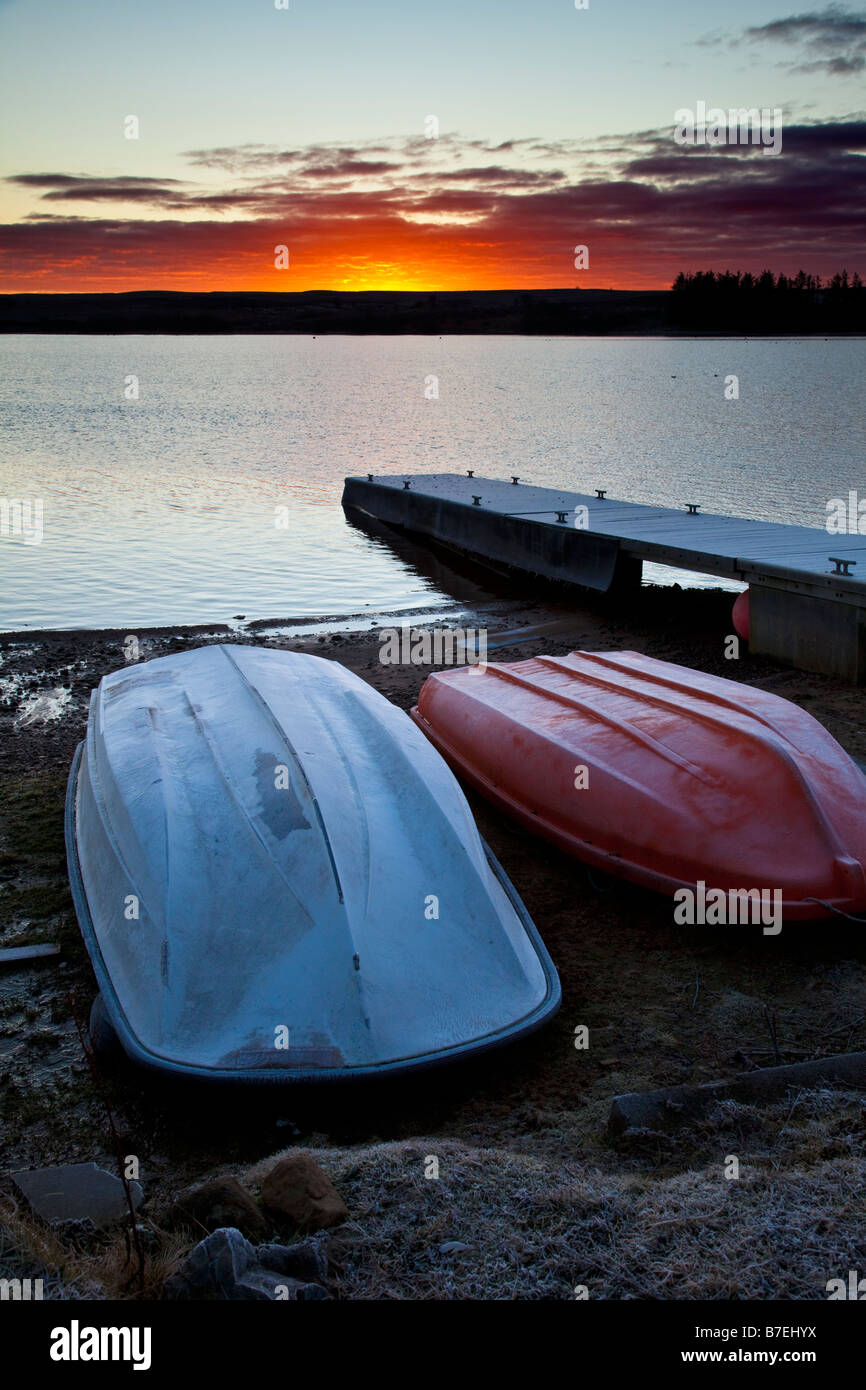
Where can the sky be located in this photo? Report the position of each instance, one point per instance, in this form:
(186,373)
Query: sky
(392,144)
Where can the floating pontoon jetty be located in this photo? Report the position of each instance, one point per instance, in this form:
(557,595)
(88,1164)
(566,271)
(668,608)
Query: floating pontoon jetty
(808,607)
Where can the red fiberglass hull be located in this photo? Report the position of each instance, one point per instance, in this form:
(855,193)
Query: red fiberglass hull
(687,777)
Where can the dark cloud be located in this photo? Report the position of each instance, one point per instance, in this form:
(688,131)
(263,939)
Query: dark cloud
(240,159)
(47,180)
(832,40)
(86,180)
(826,137)
(645,206)
(85,188)
(348,167)
(838,141)
(832,25)
(98,192)
(236,158)
(504,178)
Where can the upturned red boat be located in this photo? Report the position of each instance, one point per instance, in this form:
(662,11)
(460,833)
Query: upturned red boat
(660,774)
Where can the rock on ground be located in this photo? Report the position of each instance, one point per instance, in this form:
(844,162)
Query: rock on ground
(77,1191)
(227,1266)
(220,1202)
(297,1186)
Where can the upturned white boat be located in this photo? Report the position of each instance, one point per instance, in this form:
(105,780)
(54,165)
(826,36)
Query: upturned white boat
(278,878)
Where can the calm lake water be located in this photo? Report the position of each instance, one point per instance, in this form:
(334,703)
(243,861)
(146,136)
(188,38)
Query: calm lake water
(160,510)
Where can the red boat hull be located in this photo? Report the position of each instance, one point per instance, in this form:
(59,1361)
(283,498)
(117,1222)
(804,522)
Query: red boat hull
(660,774)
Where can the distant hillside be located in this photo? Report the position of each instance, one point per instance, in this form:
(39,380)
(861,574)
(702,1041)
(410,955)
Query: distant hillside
(333,311)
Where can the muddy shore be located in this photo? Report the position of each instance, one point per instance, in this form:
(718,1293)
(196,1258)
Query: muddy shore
(531,1182)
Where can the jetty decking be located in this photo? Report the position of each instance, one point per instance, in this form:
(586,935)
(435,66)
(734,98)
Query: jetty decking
(807,587)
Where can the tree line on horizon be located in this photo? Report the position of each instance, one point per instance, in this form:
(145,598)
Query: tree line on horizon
(767,303)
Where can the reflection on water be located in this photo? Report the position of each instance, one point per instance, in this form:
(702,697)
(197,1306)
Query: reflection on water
(216,492)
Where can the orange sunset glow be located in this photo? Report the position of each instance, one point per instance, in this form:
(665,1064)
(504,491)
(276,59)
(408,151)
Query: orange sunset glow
(370,253)
(449,214)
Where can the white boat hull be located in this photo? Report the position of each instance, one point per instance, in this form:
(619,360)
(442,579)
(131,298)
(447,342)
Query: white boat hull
(279,879)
